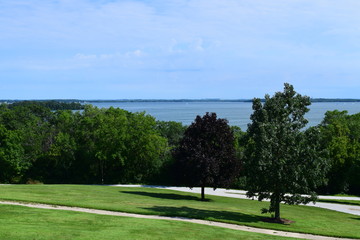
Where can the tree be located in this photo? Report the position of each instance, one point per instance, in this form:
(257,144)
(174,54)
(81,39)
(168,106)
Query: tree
(341,137)
(32,124)
(281,161)
(12,160)
(206,155)
(144,148)
(172,131)
(115,145)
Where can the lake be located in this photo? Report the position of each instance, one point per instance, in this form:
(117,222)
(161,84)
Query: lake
(237,113)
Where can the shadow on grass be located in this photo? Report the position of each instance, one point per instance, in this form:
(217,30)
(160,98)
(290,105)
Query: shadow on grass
(205,214)
(171,196)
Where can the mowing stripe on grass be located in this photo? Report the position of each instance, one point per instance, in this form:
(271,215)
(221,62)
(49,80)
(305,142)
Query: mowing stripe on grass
(190,220)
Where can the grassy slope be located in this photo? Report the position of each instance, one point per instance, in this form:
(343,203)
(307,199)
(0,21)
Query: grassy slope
(22,223)
(165,202)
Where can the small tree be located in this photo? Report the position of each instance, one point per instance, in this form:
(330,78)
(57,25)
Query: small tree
(281,161)
(206,155)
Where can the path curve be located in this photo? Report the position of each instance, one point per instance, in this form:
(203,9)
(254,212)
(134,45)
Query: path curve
(182,219)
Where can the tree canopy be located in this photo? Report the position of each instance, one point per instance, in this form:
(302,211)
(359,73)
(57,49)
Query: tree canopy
(282,161)
(206,155)
(92,146)
(341,136)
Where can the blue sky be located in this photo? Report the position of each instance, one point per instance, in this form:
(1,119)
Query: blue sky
(154,49)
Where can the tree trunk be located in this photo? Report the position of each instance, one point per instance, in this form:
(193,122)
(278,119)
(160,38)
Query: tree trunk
(277,207)
(202,193)
(102,171)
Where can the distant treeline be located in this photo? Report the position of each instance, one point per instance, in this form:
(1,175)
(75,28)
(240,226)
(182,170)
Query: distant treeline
(78,102)
(215,100)
(334,100)
(51,104)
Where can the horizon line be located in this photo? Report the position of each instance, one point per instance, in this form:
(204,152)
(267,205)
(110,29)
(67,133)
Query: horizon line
(173,100)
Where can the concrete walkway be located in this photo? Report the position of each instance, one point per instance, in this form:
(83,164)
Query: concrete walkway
(203,222)
(351,209)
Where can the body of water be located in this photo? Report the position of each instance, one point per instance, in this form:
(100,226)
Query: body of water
(237,113)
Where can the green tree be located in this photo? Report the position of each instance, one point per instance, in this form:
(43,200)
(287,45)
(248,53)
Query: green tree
(281,161)
(33,124)
(240,142)
(110,135)
(172,131)
(57,166)
(12,160)
(341,137)
(144,148)
(206,155)
(101,136)
(115,145)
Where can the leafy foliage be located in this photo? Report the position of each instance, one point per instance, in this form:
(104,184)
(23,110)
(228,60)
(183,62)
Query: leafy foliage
(281,161)
(92,146)
(341,136)
(12,159)
(206,155)
(172,131)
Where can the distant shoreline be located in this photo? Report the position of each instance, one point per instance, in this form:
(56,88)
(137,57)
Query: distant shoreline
(313,100)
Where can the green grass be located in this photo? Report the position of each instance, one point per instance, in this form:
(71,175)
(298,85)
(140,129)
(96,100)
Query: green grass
(172,203)
(22,223)
(338,201)
(344,195)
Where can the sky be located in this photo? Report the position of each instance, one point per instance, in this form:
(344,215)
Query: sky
(177,49)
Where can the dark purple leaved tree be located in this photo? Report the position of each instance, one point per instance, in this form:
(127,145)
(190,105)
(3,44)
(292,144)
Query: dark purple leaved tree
(206,155)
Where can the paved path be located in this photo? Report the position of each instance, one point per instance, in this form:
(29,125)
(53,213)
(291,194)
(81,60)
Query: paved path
(352,209)
(204,222)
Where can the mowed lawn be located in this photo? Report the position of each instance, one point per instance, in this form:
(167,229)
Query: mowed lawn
(346,202)
(23,223)
(172,203)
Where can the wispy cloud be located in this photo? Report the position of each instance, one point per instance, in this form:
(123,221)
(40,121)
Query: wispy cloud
(306,42)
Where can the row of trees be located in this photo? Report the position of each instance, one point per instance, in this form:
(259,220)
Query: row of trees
(52,104)
(276,158)
(92,146)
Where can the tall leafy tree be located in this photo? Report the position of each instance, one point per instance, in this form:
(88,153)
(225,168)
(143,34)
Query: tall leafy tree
(61,157)
(101,134)
(206,155)
(144,148)
(32,123)
(282,161)
(115,145)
